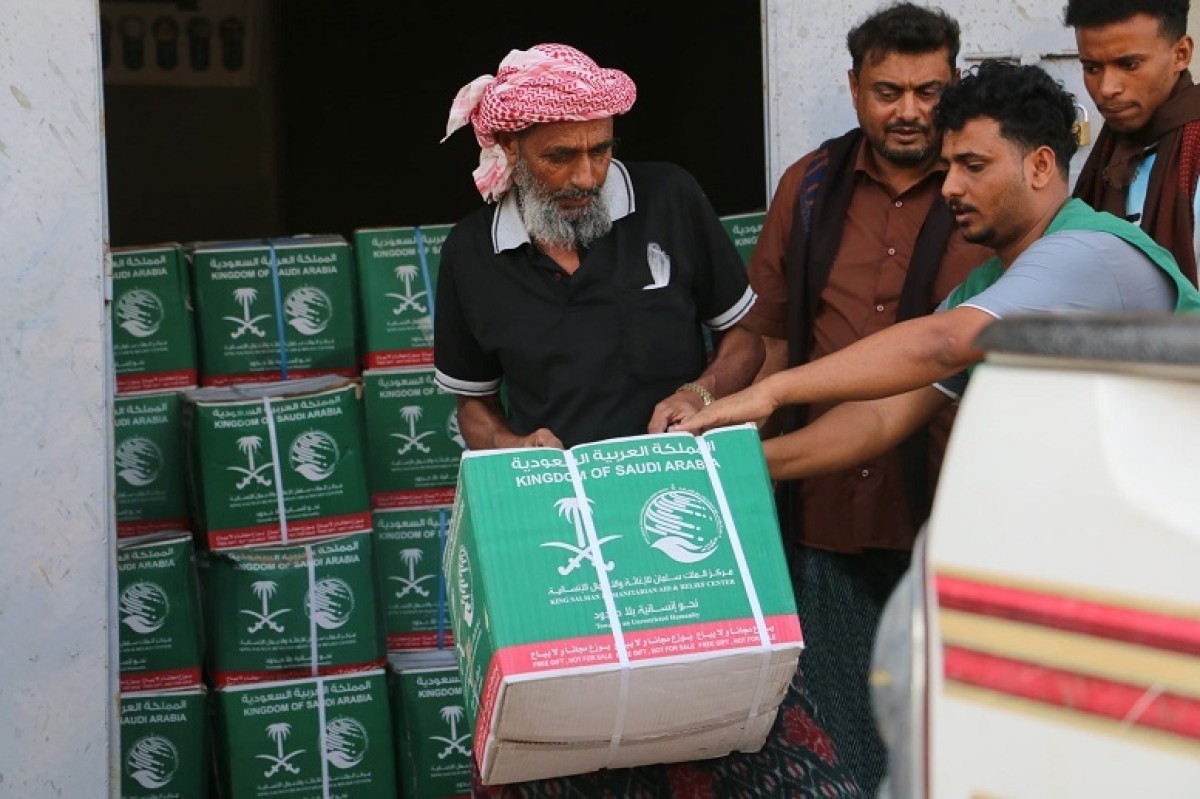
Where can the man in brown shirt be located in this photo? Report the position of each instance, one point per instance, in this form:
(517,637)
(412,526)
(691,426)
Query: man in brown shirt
(857,238)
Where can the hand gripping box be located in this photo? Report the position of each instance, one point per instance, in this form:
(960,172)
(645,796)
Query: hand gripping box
(409,545)
(280,612)
(596,594)
(397,277)
(158,611)
(306,739)
(164,745)
(154,340)
(432,728)
(275,309)
(276,462)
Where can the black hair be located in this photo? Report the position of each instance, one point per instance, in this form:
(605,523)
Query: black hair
(1032,108)
(903,28)
(1172,15)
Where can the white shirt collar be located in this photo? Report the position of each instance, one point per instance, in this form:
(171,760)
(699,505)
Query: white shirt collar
(508,230)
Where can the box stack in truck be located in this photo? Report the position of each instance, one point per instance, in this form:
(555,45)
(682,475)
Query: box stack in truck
(413,448)
(278,484)
(283,538)
(274,309)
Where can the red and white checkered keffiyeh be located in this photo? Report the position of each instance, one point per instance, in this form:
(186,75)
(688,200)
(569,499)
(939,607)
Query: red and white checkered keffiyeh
(546,83)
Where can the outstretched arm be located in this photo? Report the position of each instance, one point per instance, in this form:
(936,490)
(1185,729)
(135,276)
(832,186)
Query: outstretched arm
(906,356)
(851,433)
(483,426)
(739,356)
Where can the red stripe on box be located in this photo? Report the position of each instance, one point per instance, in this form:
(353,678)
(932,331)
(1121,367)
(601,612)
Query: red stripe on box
(488,699)
(387,359)
(224,679)
(406,642)
(1081,693)
(131,529)
(271,377)
(1147,628)
(161,680)
(156,381)
(412,498)
(659,642)
(301,530)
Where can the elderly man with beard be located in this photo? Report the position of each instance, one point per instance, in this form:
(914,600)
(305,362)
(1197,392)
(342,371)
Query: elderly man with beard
(585,287)
(585,291)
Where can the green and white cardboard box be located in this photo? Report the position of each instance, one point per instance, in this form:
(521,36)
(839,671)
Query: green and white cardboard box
(308,739)
(154,340)
(744,230)
(409,546)
(397,279)
(158,608)
(151,485)
(596,593)
(282,612)
(432,728)
(277,462)
(277,309)
(413,441)
(164,745)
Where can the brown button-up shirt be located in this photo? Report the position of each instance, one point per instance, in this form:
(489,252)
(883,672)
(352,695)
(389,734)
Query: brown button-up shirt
(863,507)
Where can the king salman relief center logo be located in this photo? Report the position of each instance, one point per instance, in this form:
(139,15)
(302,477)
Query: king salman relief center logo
(314,455)
(308,310)
(682,524)
(346,742)
(330,603)
(144,607)
(152,762)
(138,461)
(140,313)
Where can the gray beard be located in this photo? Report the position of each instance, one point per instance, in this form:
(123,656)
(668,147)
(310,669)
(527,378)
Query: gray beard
(544,221)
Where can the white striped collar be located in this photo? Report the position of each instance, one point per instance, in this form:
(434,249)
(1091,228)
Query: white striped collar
(508,231)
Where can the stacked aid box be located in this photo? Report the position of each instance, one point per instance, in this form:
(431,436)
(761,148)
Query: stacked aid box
(295,652)
(414,448)
(164,735)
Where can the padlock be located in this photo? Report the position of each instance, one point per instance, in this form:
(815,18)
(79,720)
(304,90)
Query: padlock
(1082,128)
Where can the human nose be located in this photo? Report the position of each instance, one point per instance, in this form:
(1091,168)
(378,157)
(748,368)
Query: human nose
(583,172)
(909,107)
(951,186)
(1110,84)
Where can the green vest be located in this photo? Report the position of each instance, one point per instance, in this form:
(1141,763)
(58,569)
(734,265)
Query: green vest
(1078,215)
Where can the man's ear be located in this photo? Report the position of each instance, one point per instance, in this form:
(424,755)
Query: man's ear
(853,86)
(1042,167)
(510,143)
(1182,52)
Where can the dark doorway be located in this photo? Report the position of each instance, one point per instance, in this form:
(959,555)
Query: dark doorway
(343,131)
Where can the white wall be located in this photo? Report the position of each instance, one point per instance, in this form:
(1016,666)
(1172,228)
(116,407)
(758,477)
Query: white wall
(56,672)
(808,96)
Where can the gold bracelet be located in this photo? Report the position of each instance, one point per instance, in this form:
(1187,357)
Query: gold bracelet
(699,390)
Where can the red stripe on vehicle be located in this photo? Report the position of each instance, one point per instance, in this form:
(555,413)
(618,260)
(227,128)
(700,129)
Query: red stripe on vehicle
(1147,628)
(1081,693)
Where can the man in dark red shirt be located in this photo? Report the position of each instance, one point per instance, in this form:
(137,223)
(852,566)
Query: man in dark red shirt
(857,238)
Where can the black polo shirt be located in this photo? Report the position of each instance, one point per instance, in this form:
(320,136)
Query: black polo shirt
(588,355)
